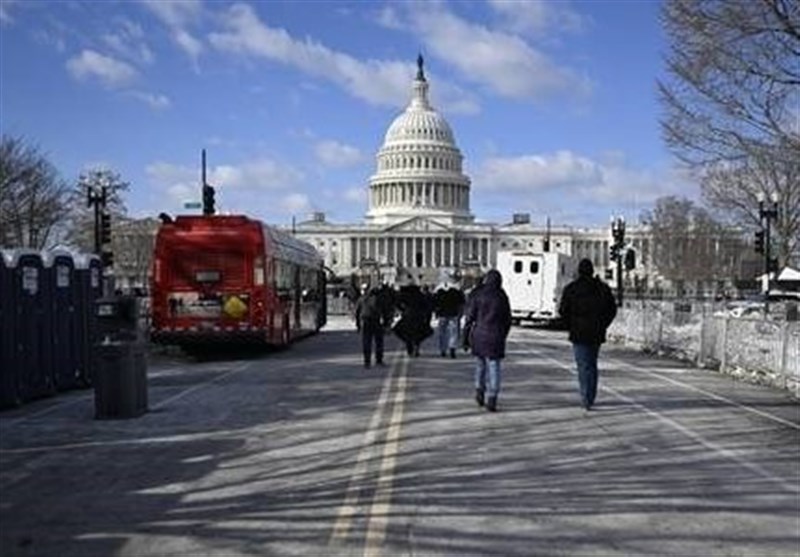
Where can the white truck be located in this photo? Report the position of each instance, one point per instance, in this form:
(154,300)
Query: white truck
(534,283)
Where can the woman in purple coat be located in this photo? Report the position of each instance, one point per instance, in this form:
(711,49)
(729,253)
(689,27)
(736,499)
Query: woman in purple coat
(489,320)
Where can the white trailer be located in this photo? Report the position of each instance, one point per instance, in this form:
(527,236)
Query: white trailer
(534,283)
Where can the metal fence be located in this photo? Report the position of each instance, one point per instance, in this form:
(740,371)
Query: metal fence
(764,350)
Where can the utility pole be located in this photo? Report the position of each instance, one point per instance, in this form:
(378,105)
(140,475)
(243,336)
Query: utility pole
(763,242)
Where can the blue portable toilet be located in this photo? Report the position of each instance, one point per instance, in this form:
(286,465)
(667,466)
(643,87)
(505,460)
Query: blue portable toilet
(9,370)
(88,275)
(32,322)
(59,271)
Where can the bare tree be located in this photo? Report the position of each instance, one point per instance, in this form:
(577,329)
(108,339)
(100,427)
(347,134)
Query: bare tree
(689,245)
(133,244)
(81,227)
(33,198)
(732,103)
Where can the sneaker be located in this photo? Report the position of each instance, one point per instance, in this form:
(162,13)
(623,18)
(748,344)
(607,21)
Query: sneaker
(491,404)
(479,397)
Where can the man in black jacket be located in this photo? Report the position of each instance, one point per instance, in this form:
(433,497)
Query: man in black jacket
(587,308)
(372,314)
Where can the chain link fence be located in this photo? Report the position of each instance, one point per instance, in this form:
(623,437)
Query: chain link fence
(751,347)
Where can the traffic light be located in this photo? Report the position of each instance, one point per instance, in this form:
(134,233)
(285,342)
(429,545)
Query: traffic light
(208,200)
(759,242)
(105,228)
(107,258)
(630,259)
(614,252)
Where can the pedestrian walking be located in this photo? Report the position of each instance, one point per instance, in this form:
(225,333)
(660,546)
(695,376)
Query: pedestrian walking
(448,304)
(371,318)
(587,308)
(414,325)
(489,321)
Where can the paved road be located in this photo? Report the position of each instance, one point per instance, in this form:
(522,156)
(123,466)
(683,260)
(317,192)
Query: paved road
(303,452)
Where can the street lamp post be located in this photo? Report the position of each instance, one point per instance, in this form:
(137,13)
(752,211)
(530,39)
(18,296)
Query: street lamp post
(767,212)
(97,196)
(618,234)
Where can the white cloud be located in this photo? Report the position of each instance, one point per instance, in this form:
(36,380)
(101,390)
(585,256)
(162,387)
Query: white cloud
(257,175)
(5,12)
(337,155)
(128,41)
(356,194)
(153,100)
(576,179)
(501,62)
(188,43)
(382,83)
(295,203)
(178,16)
(175,13)
(539,16)
(109,71)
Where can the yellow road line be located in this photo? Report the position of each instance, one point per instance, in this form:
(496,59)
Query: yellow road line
(348,508)
(382,500)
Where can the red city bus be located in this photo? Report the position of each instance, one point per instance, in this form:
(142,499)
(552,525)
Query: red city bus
(226,279)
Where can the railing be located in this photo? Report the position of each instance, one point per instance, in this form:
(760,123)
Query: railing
(764,350)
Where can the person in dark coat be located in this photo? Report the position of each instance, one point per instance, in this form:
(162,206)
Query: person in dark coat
(414,325)
(371,321)
(448,304)
(587,308)
(489,321)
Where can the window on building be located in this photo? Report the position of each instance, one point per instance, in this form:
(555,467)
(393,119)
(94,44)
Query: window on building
(534,267)
(517,267)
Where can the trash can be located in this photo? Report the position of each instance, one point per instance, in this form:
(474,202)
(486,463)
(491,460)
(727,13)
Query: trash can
(119,360)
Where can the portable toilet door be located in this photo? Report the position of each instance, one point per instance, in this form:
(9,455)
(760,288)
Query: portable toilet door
(9,370)
(60,279)
(88,273)
(34,352)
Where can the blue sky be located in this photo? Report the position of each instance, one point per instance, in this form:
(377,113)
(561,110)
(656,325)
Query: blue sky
(553,104)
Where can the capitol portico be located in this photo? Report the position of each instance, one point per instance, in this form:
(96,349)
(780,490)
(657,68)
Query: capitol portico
(419,221)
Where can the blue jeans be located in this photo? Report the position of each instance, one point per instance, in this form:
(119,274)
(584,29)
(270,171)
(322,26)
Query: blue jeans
(586,360)
(447,332)
(370,334)
(484,366)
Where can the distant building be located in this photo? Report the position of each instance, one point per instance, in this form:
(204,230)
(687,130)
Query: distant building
(419,223)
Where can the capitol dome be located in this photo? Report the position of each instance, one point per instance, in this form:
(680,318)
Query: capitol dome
(419,166)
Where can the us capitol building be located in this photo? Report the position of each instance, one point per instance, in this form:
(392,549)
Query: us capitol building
(419,224)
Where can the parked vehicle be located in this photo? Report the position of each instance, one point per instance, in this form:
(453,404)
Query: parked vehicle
(226,279)
(534,282)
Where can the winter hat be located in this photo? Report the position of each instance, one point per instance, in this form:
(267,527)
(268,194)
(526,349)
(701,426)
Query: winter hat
(585,268)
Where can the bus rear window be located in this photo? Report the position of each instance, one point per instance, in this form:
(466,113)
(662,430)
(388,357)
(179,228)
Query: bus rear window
(207,276)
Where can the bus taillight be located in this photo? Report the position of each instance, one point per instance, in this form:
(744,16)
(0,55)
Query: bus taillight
(258,271)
